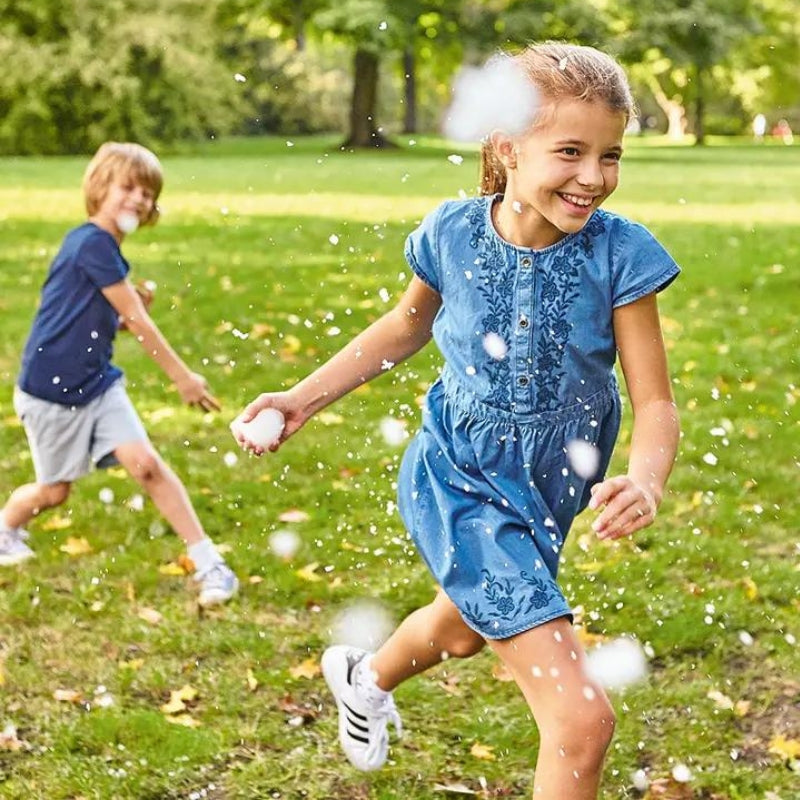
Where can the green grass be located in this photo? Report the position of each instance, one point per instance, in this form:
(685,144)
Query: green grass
(244,247)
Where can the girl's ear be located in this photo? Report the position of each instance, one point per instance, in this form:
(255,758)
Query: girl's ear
(504,149)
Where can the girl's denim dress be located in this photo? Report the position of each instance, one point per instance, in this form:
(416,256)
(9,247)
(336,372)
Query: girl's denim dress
(486,489)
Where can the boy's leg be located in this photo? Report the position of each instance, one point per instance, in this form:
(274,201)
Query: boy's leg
(148,469)
(24,503)
(31,499)
(573,714)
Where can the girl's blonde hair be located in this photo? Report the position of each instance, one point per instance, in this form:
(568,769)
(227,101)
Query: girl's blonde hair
(118,161)
(560,71)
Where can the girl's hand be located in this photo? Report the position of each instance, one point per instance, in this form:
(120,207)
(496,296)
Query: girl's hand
(627,507)
(294,419)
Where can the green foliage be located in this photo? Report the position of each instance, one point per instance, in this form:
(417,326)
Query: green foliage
(78,73)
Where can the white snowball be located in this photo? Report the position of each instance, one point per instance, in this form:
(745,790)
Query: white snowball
(681,773)
(263,430)
(284,543)
(106,495)
(497,96)
(584,458)
(618,663)
(230,459)
(639,780)
(364,624)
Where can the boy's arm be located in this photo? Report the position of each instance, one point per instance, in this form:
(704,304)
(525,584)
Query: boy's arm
(128,304)
(631,500)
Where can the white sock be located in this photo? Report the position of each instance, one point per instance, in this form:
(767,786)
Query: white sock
(205,555)
(364,680)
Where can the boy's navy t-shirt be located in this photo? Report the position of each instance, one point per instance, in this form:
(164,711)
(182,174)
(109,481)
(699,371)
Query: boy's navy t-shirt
(67,358)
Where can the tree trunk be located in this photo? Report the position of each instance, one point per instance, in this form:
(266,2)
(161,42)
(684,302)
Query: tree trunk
(699,106)
(672,108)
(363,131)
(410,85)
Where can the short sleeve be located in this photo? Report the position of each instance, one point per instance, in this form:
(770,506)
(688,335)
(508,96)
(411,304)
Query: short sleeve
(101,260)
(422,251)
(641,265)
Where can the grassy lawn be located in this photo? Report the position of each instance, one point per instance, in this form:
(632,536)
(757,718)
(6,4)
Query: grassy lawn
(269,256)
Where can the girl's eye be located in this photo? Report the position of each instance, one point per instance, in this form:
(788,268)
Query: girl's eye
(612,156)
(570,151)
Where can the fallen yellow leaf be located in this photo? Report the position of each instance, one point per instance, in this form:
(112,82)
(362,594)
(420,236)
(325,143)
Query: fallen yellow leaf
(750,588)
(306,669)
(173,568)
(57,523)
(149,615)
(482,751)
(785,748)
(67,696)
(308,572)
(187,720)
(252,681)
(76,547)
(178,699)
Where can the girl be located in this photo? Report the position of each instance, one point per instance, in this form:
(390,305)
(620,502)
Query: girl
(72,399)
(529,291)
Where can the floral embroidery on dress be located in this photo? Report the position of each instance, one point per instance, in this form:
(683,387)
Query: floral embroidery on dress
(507,599)
(496,285)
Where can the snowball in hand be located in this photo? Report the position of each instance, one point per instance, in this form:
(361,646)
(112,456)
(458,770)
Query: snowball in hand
(366,625)
(127,223)
(263,430)
(617,664)
(497,96)
(583,457)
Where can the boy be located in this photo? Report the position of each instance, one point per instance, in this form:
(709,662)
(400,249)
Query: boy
(72,399)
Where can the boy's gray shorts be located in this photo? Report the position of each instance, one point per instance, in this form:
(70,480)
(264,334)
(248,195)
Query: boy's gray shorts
(65,440)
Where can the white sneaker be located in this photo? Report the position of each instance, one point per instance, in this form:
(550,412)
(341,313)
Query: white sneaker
(363,722)
(217,585)
(13,549)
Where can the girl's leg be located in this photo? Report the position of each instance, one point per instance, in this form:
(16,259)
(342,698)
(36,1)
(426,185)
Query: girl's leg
(424,638)
(572,712)
(31,499)
(156,478)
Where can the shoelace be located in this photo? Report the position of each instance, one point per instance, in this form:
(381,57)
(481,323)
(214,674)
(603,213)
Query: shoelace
(381,716)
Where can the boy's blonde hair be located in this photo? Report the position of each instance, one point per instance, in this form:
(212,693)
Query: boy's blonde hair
(118,161)
(561,71)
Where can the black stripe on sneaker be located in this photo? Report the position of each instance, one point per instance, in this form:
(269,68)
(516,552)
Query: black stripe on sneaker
(354,712)
(357,726)
(358,738)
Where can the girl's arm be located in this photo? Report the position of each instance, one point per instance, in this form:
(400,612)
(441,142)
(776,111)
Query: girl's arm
(630,501)
(394,337)
(128,304)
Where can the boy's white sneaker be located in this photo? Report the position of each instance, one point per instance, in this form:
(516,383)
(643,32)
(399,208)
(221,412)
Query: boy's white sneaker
(363,720)
(217,585)
(13,549)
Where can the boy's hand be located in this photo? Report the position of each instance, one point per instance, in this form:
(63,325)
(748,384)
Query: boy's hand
(628,507)
(194,391)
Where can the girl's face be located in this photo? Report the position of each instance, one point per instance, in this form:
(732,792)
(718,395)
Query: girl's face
(564,168)
(127,205)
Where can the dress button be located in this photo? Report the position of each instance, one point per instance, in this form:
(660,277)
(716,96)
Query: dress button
(523,380)
(526,261)
(524,322)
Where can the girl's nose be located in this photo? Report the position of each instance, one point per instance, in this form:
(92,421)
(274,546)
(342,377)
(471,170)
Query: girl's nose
(590,174)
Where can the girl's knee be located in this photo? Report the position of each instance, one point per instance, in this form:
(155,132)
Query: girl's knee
(463,643)
(586,733)
(146,467)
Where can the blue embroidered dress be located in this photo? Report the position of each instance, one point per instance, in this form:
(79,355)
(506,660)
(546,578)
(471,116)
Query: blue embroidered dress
(486,489)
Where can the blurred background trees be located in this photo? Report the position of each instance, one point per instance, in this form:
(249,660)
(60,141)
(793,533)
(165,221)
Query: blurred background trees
(78,72)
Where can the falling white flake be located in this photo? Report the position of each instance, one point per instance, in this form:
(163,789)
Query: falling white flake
(333,239)
(495,346)
(495,96)
(230,459)
(284,544)
(681,773)
(710,459)
(136,503)
(393,431)
(455,159)
(364,624)
(618,663)
(106,495)
(239,78)
(383,26)
(583,457)
(384,295)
